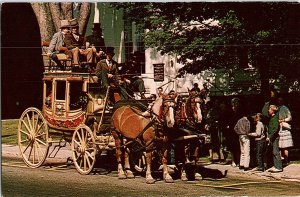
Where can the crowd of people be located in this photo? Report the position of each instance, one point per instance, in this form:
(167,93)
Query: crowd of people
(258,140)
(91,52)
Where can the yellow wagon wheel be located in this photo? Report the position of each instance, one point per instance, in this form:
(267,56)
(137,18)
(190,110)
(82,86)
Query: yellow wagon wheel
(33,137)
(83,149)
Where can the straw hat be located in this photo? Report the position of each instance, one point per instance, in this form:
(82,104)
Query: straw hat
(73,22)
(64,24)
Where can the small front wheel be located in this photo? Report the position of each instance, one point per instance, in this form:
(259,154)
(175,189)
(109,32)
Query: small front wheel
(83,149)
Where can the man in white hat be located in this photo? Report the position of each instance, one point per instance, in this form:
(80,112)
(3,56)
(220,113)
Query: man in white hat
(57,42)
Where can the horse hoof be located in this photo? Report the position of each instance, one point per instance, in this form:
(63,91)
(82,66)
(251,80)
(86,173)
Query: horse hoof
(198,177)
(122,176)
(129,175)
(183,177)
(150,181)
(169,180)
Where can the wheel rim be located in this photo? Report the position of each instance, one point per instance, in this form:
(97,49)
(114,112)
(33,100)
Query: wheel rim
(84,150)
(33,137)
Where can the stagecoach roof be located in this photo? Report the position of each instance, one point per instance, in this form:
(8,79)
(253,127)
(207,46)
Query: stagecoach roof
(67,75)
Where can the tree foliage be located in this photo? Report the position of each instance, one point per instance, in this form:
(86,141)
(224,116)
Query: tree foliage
(223,35)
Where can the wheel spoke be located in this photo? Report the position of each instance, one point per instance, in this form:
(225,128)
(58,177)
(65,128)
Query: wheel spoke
(40,141)
(25,124)
(79,137)
(88,161)
(77,143)
(28,118)
(84,163)
(39,127)
(28,145)
(33,121)
(37,151)
(89,155)
(22,141)
(24,132)
(34,152)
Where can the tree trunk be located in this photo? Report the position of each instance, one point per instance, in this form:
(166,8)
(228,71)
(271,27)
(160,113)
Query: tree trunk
(44,19)
(49,15)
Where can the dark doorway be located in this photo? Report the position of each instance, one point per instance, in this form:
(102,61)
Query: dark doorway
(21,61)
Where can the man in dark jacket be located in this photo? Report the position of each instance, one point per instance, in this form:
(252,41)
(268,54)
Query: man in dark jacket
(107,72)
(132,76)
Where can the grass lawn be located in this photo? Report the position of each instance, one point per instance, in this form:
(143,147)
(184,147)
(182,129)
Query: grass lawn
(9,130)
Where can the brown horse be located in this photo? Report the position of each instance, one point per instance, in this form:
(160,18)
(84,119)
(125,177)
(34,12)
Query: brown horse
(189,115)
(131,124)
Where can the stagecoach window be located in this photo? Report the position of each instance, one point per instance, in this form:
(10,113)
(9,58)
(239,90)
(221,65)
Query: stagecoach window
(75,94)
(48,99)
(60,90)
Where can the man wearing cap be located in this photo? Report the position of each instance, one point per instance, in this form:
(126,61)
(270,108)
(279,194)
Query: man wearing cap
(96,41)
(57,42)
(107,72)
(75,44)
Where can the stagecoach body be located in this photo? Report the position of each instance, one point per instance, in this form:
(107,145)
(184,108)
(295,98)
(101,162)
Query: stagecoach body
(74,106)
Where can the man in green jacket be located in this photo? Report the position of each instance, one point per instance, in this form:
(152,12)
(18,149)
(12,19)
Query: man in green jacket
(273,138)
(108,74)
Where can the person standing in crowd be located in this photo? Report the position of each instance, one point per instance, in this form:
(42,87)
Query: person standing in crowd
(212,125)
(272,99)
(57,42)
(233,144)
(273,138)
(132,76)
(96,41)
(285,136)
(242,128)
(223,128)
(260,141)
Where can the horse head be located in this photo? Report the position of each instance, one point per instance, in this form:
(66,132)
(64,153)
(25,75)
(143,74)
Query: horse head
(168,108)
(163,108)
(193,106)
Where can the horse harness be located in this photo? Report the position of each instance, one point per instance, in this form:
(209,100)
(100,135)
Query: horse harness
(137,144)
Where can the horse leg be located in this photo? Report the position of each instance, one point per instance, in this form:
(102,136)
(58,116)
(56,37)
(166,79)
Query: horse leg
(166,175)
(121,173)
(149,178)
(181,155)
(198,176)
(128,172)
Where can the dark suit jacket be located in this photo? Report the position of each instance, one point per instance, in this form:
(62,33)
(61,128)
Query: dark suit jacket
(72,43)
(102,69)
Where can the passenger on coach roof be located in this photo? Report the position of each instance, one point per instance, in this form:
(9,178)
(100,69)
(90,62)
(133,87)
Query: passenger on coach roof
(96,41)
(75,44)
(57,42)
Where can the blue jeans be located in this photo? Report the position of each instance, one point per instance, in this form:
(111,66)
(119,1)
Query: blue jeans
(276,154)
(260,147)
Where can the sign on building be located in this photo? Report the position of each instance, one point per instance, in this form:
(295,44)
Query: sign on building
(159,72)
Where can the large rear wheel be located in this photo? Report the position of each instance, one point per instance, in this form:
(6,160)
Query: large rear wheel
(84,149)
(33,137)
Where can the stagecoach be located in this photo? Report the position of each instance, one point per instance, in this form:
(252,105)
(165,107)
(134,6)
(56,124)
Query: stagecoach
(76,110)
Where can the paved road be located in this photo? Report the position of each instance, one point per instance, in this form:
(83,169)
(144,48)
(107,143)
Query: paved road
(290,173)
(57,178)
